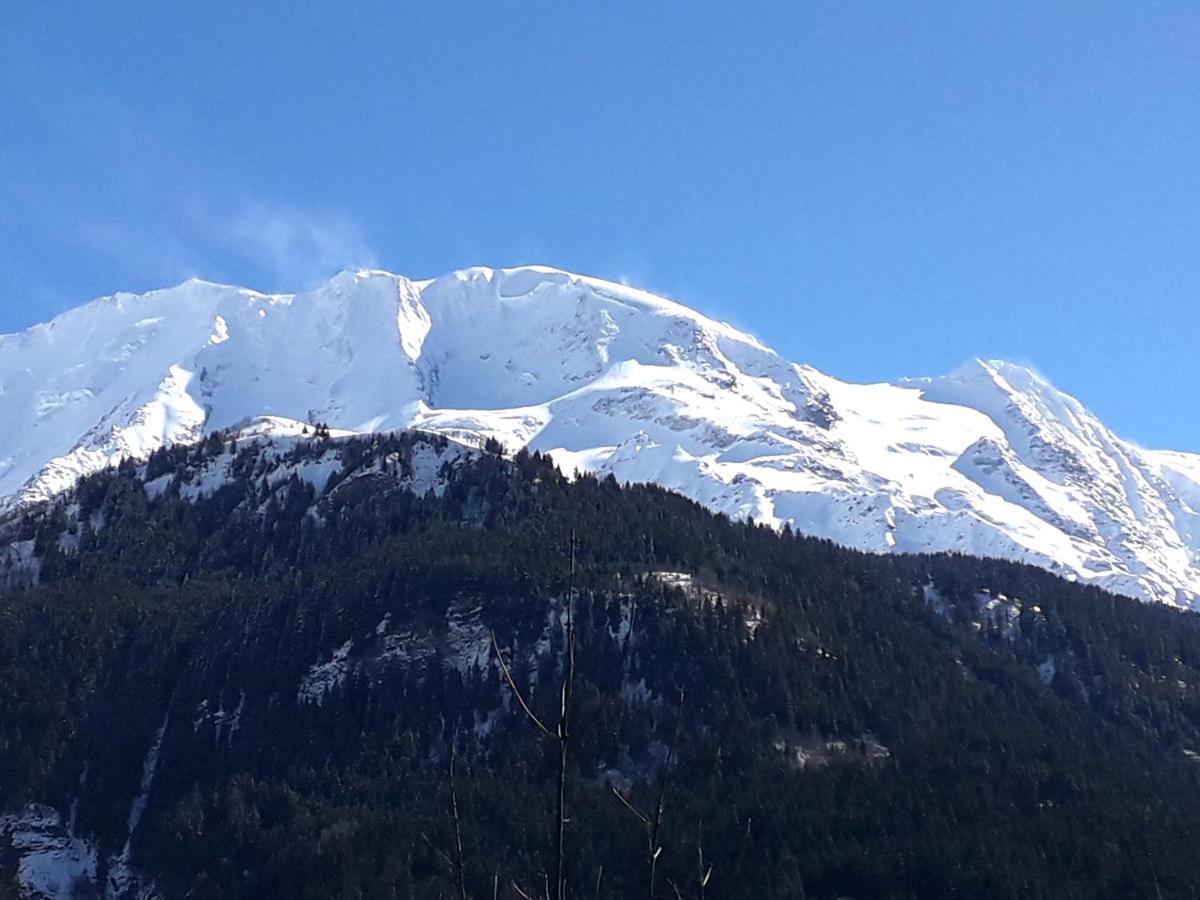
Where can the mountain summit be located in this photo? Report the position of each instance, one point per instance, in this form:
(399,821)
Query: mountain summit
(990,460)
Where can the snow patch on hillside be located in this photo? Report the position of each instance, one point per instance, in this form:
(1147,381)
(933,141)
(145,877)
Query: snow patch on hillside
(53,863)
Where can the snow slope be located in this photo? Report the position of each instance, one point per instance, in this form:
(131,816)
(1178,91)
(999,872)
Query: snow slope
(990,460)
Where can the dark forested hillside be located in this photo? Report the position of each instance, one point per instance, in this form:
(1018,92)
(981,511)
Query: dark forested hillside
(274,685)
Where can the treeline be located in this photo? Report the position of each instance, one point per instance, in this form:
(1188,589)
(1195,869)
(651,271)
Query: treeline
(851,725)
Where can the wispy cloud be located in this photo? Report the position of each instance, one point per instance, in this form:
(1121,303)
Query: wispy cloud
(297,247)
(163,240)
(153,213)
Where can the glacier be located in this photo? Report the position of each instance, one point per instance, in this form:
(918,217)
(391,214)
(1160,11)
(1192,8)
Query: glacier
(990,460)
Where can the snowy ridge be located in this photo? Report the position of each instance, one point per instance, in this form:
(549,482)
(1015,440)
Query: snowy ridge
(990,460)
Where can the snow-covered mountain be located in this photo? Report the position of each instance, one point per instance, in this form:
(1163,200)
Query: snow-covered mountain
(989,460)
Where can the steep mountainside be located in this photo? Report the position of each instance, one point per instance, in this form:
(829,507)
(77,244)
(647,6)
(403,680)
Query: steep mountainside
(250,671)
(990,460)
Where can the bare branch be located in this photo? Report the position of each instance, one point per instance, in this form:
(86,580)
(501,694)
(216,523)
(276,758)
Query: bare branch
(629,806)
(442,853)
(561,734)
(743,844)
(654,825)
(541,726)
(458,847)
(564,730)
(633,608)
(660,805)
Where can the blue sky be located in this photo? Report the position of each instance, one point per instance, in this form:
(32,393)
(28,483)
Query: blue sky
(877,189)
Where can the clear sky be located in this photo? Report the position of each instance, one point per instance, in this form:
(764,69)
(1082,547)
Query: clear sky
(878,189)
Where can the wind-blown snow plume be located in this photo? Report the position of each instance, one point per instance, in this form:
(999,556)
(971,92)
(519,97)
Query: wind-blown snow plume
(990,460)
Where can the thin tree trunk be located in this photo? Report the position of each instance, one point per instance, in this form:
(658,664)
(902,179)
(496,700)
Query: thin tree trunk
(660,806)
(458,847)
(564,733)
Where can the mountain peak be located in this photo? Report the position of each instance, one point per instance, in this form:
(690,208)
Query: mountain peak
(1008,376)
(1003,368)
(985,373)
(990,459)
